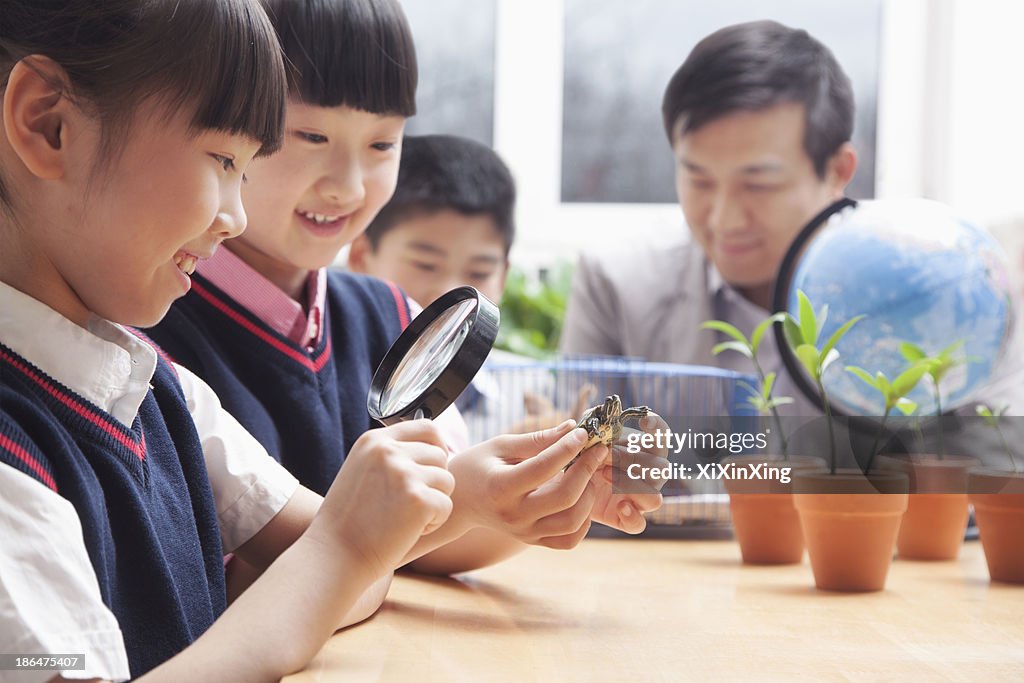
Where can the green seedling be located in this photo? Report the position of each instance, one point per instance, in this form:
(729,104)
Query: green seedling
(761,396)
(940,365)
(992,420)
(802,336)
(894,394)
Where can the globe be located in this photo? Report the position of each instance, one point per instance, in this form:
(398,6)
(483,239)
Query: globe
(919,273)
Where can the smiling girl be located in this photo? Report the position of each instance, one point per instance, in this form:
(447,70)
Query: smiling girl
(290,346)
(126,127)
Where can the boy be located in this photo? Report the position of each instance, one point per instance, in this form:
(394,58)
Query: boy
(449,223)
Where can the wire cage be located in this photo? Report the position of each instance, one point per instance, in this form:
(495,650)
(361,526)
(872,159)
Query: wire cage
(513,395)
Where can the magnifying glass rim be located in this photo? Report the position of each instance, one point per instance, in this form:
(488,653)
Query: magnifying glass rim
(483,331)
(780,302)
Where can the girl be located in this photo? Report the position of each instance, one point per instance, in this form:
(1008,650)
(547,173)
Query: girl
(126,127)
(291,347)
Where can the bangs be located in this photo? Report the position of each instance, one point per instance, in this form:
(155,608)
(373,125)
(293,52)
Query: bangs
(356,53)
(225,64)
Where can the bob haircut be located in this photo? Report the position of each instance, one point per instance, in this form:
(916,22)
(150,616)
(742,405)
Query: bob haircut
(220,59)
(354,53)
(754,66)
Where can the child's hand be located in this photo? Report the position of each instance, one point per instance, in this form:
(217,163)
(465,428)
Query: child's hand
(621,499)
(515,484)
(393,488)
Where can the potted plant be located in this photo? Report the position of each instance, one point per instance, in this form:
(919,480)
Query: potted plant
(933,525)
(850,528)
(998,500)
(763,517)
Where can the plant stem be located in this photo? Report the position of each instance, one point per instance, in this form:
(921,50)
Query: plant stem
(775,413)
(938,414)
(828,420)
(1009,453)
(878,435)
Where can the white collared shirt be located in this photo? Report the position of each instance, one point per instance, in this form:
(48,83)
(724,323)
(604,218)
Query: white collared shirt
(49,597)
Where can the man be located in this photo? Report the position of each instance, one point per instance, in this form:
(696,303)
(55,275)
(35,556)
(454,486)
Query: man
(759,117)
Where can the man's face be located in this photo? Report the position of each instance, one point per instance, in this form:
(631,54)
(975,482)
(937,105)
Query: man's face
(747,186)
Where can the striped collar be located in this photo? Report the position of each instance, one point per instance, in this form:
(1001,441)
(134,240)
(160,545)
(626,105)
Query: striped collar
(102,363)
(245,285)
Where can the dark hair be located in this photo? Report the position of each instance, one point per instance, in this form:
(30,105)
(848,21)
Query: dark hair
(220,59)
(441,172)
(357,53)
(752,66)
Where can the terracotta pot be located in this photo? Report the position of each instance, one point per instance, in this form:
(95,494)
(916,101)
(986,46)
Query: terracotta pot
(763,517)
(933,525)
(850,522)
(998,500)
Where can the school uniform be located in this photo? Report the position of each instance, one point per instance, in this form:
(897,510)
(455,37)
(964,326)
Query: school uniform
(124,484)
(296,377)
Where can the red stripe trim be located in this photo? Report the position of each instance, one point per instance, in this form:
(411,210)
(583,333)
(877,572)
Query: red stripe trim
(292,353)
(75,406)
(26,457)
(320,361)
(403,315)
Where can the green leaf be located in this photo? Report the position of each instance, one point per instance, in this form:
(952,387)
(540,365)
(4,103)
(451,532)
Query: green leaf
(782,400)
(792,332)
(839,334)
(863,374)
(763,327)
(808,356)
(948,351)
(882,382)
(820,322)
(908,379)
(733,346)
(906,406)
(769,382)
(912,352)
(808,324)
(725,328)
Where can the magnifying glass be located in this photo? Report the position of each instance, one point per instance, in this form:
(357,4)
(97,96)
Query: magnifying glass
(435,358)
(919,273)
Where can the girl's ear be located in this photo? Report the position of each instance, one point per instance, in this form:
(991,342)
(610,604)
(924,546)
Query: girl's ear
(35,115)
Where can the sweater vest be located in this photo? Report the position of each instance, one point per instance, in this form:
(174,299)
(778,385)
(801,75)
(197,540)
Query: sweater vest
(142,495)
(307,407)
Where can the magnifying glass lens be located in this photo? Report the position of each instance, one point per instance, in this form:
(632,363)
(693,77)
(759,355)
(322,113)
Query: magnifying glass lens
(429,356)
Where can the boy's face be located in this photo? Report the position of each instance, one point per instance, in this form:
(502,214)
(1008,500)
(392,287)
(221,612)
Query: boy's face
(336,169)
(747,186)
(122,241)
(430,254)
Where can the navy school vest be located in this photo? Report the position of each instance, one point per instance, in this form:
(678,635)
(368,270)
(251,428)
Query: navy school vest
(142,495)
(307,408)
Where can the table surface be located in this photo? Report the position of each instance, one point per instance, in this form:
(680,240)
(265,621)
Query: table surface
(654,610)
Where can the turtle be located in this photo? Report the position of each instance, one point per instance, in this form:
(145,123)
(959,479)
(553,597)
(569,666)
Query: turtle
(604,422)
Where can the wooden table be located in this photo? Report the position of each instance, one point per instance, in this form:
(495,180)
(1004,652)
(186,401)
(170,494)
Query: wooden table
(646,610)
